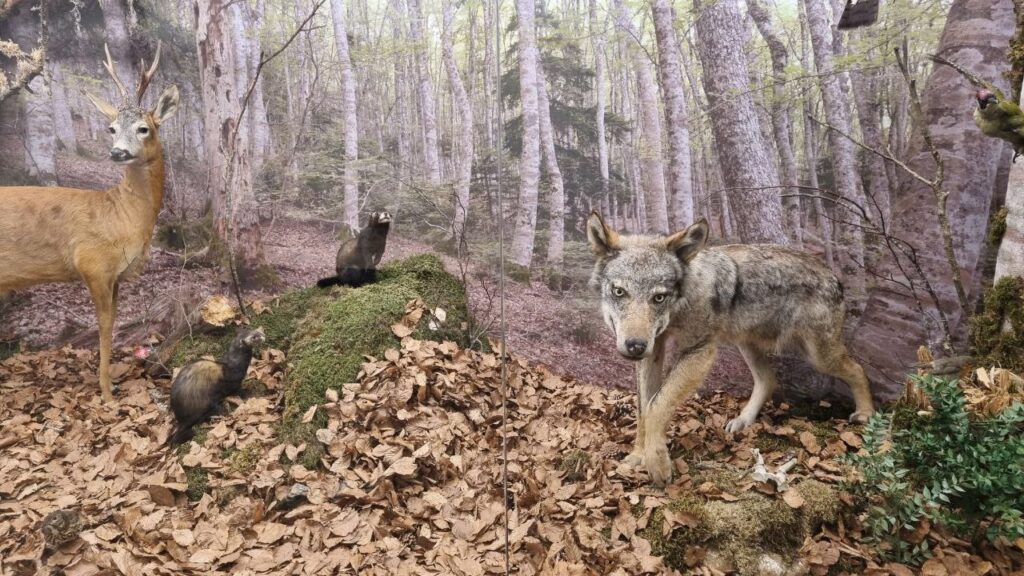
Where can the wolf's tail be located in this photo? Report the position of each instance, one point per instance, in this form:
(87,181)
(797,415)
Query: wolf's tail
(353,277)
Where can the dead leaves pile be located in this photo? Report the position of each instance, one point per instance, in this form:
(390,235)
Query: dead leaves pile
(410,477)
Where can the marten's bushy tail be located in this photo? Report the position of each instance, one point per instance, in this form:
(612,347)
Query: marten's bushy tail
(350,277)
(180,436)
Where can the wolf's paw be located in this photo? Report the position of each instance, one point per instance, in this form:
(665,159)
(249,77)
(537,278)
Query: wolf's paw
(740,423)
(659,465)
(634,459)
(861,416)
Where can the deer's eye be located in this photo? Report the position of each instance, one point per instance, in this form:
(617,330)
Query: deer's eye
(143,130)
(618,292)
(659,298)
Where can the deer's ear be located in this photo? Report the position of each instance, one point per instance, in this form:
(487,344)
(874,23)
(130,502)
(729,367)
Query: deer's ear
(166,106)
(603,240)
(103,106)
(687,243)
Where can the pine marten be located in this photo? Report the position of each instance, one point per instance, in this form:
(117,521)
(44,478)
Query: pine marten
(358,257)
(199,389)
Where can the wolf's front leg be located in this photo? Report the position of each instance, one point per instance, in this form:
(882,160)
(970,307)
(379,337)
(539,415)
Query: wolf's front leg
(648,381)
(684,379)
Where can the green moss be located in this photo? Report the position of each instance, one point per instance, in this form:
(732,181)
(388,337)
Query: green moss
(997,227)
(191,235)
(673,547)
(198,480)
(517,272)
(243,461)
(331,341)
(574,464)
(768,443)
(9,348)
(998,331)
(746,529)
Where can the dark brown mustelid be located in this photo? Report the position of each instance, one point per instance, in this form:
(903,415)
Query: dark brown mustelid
(358,257)
(199,389)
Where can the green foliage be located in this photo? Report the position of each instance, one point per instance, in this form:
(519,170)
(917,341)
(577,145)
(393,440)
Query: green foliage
(998,332)
(997,226)
(956,469)
(198,481)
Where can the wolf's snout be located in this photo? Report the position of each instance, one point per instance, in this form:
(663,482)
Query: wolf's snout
(635,347)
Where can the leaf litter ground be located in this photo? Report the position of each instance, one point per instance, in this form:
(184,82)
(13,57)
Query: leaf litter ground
(410,479)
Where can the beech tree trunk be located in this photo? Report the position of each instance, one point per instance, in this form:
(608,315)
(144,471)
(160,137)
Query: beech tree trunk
(556,192)
(597,38)
(781,119)
(529,160)
(63,125)
(867,93)
(349,114)
(115,27)
(228,158)
(1010,258)
(844,166)
(464,108)
(428,110)
(40,140)
(892,327)
(670,73)
(649,144)
(748,171)
(262,144)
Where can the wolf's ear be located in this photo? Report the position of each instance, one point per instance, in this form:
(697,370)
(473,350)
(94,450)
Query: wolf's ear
(687,243)
(603,239)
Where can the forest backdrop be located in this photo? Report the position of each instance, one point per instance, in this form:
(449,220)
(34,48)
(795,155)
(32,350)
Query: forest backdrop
(457,116)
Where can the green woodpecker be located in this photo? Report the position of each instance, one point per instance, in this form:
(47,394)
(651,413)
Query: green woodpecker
(1000,118)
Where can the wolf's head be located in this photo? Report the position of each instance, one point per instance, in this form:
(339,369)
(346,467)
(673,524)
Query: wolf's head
(640,279)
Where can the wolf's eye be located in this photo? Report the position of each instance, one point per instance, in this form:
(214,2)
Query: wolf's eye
(659,298)
(112,130)
(618,292)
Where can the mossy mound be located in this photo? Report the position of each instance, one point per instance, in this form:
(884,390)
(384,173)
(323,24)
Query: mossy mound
(330,343)
(743,531)
(998,331)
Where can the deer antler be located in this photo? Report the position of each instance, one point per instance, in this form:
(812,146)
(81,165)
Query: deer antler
(147,76)
(109,65)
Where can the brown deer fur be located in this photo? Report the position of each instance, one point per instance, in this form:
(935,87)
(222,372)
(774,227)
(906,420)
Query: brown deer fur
(53,234)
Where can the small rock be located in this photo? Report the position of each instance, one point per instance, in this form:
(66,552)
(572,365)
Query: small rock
(298,493)
(771,565)
(719,561)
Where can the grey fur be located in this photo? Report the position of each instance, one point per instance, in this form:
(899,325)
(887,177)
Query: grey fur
(764,299)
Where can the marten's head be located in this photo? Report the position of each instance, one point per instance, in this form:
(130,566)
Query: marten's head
(380,220)
(250,338)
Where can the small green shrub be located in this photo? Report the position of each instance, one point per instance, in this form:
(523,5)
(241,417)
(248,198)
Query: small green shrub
(956,469)
(998,332)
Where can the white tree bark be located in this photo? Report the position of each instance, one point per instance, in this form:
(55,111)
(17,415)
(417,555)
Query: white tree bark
(597,38)
(62,122)
(349,114)
(228,158)
(780,118)
(748,171)
(428,109)
(844,166)
(649,146)
(40,140)
(262,143)
(529,161)
(556,192)
(115,27)
(1010,258)
(464,109)
(670,72)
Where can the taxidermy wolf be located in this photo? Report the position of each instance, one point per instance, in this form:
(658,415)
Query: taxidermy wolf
(764,299)
(358,257)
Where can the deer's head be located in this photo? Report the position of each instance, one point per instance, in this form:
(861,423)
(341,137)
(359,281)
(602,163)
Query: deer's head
(134,129)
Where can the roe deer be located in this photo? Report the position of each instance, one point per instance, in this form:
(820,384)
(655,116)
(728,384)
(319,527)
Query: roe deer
(54,234)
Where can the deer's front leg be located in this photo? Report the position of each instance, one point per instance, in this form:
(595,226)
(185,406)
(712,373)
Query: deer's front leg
(102,291)
(648,381)
(684,379)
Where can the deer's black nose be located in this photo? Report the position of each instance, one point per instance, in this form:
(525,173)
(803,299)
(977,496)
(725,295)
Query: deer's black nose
(119,155)
(635,346)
